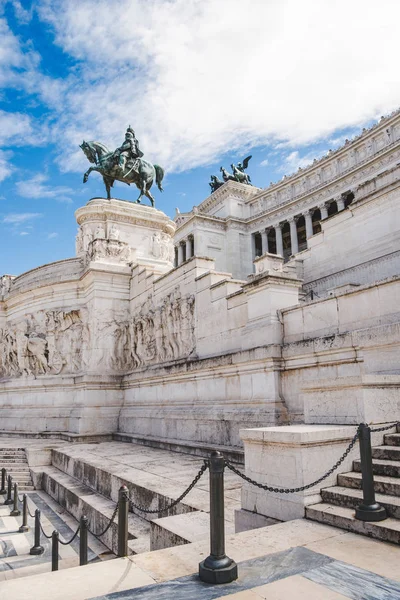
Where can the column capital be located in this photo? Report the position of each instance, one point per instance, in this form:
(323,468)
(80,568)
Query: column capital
(277,225)
(322,205)
(292,219)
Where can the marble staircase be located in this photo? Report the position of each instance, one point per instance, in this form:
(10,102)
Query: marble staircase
(15,461)
(79,499)
(339,502)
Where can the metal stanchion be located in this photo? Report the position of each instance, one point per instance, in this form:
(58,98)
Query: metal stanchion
(83,541)
(369,510)
(3,481)
(37,548)
(217,568)
(54,550)
(9,499)
(15,511)
(24,527)
(123,509)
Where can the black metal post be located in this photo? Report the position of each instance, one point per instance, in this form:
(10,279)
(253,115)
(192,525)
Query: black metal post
(369,510)
(54,550)
(24,527)
(15,511)
(9,499)
(37,548)
(123,509)
(3,481)
(83,541)
(217,568)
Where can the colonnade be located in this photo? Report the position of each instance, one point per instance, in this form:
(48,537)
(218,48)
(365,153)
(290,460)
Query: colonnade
(184,250)
(325,209)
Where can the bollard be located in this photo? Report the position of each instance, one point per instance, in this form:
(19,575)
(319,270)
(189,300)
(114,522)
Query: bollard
(123,509)
(24,527)
(37,548)
(3,481)
(83,541)
(9,499)
(15,511)
(369,510)
(54,550)
(217,568)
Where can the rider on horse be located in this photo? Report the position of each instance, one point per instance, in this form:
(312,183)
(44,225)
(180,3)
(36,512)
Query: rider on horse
(128,150)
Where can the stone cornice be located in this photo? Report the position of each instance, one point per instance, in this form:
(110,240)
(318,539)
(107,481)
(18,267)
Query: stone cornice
(230,189)
(100,209)
(381,126)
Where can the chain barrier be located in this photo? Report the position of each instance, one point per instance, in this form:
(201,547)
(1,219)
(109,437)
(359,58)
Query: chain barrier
(72,539)
(385,427)
(43,531)
(298,489)
(29,512)
(99,535)
(132,504)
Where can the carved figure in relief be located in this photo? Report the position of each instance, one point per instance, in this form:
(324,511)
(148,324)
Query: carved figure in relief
(114,233)
(100,233)
(156,333)
(79,247)
(87,237)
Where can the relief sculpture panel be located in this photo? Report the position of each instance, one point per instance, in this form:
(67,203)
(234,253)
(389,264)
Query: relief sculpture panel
(156,334)
(49,342)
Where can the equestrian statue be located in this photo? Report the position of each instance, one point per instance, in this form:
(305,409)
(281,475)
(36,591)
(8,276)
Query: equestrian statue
(124,164)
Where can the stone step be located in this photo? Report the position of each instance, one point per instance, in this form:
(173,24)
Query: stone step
(15,463)
(340,516)
(392,439)
(389,468)
(382,484)
(147,491)
(350,498)
(386,452)
(78,499)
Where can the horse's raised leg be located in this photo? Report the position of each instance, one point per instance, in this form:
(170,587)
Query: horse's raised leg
(86,175)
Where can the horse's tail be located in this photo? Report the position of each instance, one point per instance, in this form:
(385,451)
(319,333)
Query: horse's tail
(159,176)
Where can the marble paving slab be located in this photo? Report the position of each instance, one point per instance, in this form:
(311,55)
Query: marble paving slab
(347,580)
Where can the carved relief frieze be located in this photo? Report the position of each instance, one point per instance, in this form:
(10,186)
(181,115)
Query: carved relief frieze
(49,342)
(156,334)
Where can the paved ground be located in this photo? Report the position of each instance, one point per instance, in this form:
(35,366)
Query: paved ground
(15,560)
(299,560)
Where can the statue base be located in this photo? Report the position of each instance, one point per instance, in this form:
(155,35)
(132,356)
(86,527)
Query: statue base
(123,233)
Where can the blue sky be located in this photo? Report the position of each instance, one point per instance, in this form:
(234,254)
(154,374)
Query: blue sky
(203,83)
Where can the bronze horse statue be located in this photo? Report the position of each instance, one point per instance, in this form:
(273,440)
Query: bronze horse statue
(140,172)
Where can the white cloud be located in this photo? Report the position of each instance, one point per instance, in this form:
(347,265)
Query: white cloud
(264,163)
(22,15)
(18,218)
(197,78)
(24,233)
(36,187)
(5,166)
(52,235)
(293,161)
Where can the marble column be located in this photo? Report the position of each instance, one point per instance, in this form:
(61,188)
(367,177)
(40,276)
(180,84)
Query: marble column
(188,248)
(324,211)
(264,241)
(294,242)
(180,254)
(340,203)
(279,240)
(308,220)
